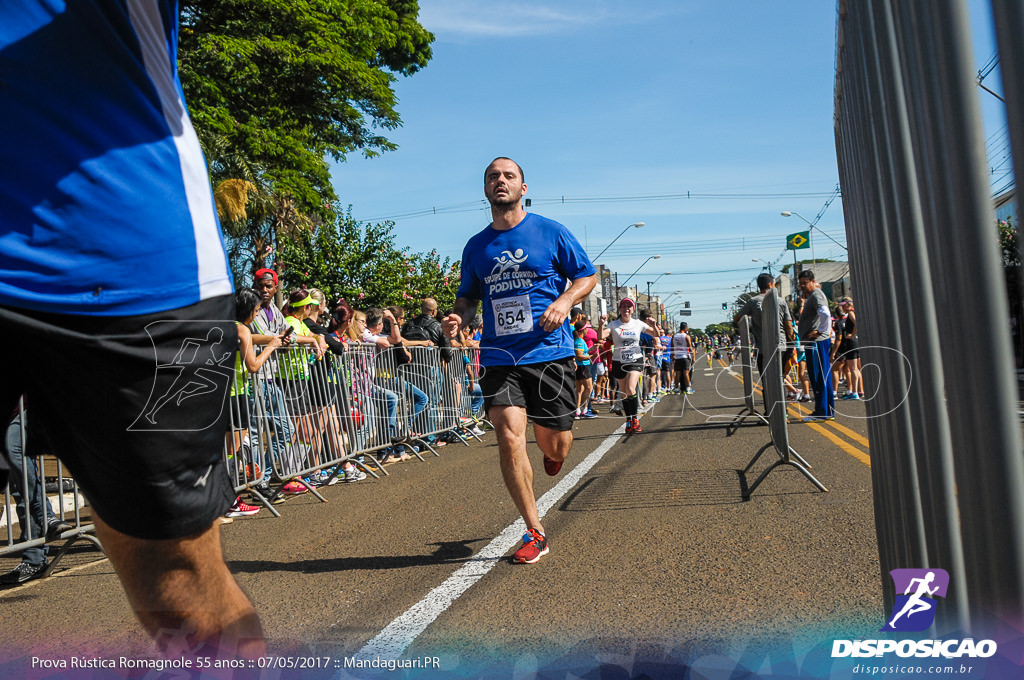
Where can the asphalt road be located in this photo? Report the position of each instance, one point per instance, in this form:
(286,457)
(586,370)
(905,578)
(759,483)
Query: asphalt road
(657,561)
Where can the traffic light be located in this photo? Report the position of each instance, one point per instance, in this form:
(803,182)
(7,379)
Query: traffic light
(725,306)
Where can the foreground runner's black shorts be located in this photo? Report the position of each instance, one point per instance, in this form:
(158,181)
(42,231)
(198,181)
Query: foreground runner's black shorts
(619,371)
(547,391)
(134,406)
(682,364)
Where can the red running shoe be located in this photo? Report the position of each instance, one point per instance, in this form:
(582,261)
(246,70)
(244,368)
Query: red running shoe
(552,466)
(636,426)
(535,546)
(629,426)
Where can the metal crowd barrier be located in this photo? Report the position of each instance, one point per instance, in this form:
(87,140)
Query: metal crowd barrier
(297,417)
(53,512)
(775,399)
(311,416)
(747,371)
(946,462)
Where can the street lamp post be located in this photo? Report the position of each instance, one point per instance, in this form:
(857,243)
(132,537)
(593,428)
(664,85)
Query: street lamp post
(766,263)
(672,295)
(635,224)
(652,257)
(651,283)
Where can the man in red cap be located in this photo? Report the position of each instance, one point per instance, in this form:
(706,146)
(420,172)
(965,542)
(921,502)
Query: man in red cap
(268,324)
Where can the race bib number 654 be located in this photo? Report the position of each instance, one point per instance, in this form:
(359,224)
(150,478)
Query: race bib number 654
(512,315)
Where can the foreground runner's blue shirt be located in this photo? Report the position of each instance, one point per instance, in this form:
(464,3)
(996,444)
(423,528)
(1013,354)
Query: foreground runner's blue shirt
(517,274)
(105,202)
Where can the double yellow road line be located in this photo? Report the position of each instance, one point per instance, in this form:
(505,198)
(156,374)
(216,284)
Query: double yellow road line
(846,439)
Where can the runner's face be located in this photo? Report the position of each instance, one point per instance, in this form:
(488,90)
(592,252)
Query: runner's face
(626,312)
(503,186)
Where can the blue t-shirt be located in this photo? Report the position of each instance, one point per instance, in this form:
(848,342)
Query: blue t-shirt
(106,202)
(517,274)
(580,345)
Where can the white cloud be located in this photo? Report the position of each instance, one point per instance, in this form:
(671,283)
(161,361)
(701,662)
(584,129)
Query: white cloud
(474,19)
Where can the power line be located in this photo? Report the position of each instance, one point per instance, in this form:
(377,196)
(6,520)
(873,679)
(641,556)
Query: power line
(480,205)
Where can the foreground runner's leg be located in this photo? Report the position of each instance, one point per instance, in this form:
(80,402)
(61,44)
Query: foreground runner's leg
(184,595)
(510,426)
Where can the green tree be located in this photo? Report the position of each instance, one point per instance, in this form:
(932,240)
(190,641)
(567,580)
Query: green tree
(430,276)
(723,328)
(362,263)
(290,83)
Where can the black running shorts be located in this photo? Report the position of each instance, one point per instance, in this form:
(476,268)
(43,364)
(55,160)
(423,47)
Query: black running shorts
(682,364)
(619,370)
(136,407)
(547,391)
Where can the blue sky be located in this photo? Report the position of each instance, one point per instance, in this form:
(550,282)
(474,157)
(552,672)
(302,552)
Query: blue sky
(606,103)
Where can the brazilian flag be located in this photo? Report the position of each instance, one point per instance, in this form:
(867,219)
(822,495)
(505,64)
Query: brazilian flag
(801,239)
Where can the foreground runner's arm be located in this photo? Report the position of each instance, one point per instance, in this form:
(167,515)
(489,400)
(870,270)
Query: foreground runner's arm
(557,312)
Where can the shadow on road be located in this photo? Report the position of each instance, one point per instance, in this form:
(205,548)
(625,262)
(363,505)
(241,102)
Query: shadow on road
(449,552)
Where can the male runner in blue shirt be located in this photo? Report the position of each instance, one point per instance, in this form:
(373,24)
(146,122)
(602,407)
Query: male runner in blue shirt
(112,262)
(518,267)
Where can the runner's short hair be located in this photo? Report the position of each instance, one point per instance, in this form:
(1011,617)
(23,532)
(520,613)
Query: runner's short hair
(522,175)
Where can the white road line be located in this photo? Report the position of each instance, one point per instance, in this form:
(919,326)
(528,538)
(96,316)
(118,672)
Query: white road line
(398,635)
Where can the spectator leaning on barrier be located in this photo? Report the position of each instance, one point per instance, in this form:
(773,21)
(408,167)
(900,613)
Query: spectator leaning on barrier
(425,330)
(403,357)
(268,324)
(519,268)
(385,400)
(814,326)
(247,305)
(112,259)
(295,369)
(327,375)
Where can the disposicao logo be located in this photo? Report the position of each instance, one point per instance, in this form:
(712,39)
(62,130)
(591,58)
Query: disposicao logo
(914,610)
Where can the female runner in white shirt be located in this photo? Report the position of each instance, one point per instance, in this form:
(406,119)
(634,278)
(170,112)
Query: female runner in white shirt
(628,358)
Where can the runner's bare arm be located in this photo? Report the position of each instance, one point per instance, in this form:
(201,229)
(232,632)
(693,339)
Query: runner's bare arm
(556,313)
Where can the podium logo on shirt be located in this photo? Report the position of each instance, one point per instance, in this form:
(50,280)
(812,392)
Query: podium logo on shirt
(508,261)
(505,276)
